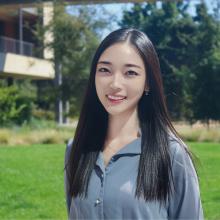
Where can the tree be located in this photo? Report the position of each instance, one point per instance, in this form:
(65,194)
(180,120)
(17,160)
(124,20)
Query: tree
(16,104)
(188,49)
(172,31)
(76,36)
(206,87)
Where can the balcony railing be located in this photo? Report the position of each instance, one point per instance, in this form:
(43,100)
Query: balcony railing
(10,45)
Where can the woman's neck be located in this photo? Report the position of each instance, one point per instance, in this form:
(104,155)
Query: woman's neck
(123,126)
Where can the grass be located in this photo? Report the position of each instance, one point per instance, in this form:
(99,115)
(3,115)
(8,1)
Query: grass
(209,156)
(20,136)
(199,132)
(31,181)
(48,132)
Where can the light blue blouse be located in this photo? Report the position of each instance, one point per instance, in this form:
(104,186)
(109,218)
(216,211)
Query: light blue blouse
(111,189)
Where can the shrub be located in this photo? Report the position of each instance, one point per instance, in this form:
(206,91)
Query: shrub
(4,136)
(43,114)
(15,106)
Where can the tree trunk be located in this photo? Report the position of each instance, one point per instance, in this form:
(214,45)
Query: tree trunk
(67,110)
(10,81)
(59,102)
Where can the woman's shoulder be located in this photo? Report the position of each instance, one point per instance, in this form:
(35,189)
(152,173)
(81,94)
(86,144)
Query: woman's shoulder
(69,143)
(68,149)
(184,202)
(181,161)
(177,147)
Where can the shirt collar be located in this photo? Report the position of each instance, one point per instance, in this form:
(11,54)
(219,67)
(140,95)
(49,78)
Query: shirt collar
(130,149)
(133,147)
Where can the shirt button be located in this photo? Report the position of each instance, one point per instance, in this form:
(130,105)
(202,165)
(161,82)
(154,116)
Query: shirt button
(102,175)
(98,201)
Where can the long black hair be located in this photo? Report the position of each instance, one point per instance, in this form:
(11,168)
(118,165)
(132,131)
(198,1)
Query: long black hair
(154,180)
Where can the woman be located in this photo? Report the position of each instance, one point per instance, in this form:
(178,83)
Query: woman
(127,161)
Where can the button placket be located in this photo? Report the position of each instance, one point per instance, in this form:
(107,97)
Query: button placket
(102,179)
(98,203)
(107,169)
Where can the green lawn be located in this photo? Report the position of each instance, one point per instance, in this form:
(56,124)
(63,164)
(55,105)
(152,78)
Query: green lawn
(31,181)
(209,172)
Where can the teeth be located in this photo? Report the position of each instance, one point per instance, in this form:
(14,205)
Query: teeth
(115,97)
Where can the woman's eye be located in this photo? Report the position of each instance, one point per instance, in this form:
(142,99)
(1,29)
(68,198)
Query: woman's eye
(103,70)
(131,73)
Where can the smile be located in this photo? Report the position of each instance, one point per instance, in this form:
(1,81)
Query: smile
(115,99)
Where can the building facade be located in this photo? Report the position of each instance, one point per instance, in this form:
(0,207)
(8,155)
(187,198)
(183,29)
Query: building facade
(20,56)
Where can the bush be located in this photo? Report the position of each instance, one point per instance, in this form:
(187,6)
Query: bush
(15,106)
(4,136)
(43,114)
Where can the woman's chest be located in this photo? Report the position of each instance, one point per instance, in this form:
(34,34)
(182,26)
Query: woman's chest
(111,192)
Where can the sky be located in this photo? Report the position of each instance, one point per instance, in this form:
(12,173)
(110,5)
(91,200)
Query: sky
(113,9)
(117,8)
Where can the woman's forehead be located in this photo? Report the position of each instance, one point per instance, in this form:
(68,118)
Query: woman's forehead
(121,53)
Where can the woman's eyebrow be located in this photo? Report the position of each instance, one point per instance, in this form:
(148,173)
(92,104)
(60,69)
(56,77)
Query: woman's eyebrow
(105,62)
(127,65)
(132,65)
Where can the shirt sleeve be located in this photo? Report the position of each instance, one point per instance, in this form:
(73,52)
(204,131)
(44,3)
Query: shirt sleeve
(185,202)
(66,183)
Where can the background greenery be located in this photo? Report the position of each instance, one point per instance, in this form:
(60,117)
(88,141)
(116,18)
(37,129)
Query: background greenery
(48,132)
(188,45)
(32,145)
(31,180)
(189,51)
(32,186)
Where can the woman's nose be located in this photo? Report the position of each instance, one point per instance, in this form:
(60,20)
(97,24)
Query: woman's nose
(116,81)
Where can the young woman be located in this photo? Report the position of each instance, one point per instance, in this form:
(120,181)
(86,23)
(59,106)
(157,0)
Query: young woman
(126,160)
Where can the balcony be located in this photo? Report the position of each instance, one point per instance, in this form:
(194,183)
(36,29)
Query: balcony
(10,45)
(17,52)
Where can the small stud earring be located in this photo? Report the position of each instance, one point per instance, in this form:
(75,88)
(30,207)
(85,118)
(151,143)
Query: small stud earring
(146,92)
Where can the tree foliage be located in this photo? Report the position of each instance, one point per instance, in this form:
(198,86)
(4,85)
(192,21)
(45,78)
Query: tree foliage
(76,35)
(188,49)
(206,86)
(188,46)
(15,105)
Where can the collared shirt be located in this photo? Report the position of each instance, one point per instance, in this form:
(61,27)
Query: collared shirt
(111,190)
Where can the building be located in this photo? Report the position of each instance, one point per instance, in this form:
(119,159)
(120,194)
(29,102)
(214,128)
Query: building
(20,56)
(19,50)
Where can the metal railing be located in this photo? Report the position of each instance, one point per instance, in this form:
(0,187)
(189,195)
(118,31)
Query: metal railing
(10,45)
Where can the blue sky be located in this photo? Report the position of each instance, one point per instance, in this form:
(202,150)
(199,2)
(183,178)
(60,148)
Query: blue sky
(117,8)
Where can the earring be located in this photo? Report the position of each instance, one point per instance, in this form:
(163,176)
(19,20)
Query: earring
(146,92)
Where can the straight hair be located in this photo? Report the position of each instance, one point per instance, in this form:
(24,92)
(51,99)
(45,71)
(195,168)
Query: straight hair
(154,179)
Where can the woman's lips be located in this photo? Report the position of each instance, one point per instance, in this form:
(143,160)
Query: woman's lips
(115,99)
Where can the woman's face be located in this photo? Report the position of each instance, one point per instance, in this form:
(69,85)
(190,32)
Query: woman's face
(120,78)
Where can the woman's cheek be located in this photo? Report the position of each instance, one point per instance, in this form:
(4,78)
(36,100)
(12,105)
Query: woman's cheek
(135,92)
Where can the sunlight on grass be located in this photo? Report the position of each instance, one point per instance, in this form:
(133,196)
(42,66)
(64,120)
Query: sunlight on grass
(209,156)
(31,180)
